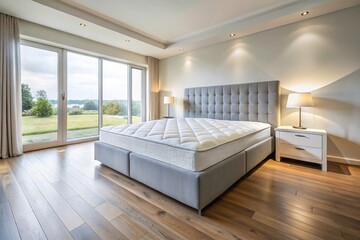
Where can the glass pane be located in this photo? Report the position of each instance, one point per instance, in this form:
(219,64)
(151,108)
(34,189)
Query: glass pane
(136,94)
(82,100)
(39,85)
(115,97)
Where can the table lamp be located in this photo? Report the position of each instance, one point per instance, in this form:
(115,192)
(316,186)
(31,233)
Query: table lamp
(299,100)
(168,100)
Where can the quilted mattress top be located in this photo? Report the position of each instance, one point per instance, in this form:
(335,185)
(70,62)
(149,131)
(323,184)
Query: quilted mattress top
(197,134)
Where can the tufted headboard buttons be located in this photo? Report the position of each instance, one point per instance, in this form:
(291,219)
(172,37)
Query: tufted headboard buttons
(258,102)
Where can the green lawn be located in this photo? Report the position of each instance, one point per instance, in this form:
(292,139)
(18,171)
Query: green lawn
(44,129)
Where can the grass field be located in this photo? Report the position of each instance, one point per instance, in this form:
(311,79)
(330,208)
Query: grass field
(78,126)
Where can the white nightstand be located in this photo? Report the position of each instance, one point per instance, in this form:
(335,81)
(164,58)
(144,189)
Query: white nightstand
(302,144)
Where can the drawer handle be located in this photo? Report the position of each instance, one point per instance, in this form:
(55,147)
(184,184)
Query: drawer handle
(298,148)
(298,135)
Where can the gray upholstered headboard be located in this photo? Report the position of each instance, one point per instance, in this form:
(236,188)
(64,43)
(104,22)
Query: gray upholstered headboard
(257,101)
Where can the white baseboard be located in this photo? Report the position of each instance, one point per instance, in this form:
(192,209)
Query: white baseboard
(350,161)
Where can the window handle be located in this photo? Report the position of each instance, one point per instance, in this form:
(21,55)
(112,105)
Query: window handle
(63,96)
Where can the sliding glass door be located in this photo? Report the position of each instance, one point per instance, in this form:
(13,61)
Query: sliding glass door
(40,79)
(115,93)
(137,95)
(123,90)
(68,96)
(82,96)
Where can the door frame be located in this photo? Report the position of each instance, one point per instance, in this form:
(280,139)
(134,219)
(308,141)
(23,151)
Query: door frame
(60,130)
(143,92)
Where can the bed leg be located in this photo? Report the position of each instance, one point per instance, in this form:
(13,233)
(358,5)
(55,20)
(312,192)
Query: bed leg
(199,212)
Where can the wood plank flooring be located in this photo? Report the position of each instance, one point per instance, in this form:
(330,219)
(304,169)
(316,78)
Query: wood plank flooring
(62,193)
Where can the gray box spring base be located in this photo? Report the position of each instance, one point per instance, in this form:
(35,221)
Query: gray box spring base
(258,101)
(113,157)
(195,189)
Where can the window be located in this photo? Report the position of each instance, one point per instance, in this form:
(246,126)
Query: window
(137,95)
(115,96)
(61,96)
(82,92)
(39,85)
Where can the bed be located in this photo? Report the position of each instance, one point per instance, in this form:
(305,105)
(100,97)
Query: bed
(226,131)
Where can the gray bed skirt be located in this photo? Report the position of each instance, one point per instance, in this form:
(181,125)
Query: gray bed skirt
(195,189)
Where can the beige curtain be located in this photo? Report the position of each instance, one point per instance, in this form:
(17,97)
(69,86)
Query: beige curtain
(153,100)
(10,88)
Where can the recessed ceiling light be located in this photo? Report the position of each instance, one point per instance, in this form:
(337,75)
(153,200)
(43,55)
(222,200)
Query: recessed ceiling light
(181,49)
(232,34)
(83,24)
(304,13)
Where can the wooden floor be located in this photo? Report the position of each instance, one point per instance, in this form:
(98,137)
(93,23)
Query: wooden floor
(62,193)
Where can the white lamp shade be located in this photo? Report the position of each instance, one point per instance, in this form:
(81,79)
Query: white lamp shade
(168,100)
(296,100)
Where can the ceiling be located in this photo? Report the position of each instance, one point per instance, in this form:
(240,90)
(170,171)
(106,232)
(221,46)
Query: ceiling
(164,28)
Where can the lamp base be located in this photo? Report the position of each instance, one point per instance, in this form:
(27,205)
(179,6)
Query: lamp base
(299,127)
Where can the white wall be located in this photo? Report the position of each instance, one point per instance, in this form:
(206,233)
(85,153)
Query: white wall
(39,33)
(321,55)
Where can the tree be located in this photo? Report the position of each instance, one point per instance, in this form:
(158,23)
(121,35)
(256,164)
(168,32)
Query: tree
(27,99)
(111,108)
(41,94)
(42,106)
(90,105)
(75,111)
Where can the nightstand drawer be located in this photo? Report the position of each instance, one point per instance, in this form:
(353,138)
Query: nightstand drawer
(302,139)
(309,145)
(301,151)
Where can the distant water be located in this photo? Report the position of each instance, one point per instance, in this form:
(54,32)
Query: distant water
(70,105)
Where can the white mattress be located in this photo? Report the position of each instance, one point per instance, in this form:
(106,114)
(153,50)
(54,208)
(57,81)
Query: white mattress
(190,143)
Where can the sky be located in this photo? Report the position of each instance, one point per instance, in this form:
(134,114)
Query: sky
(39,71)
